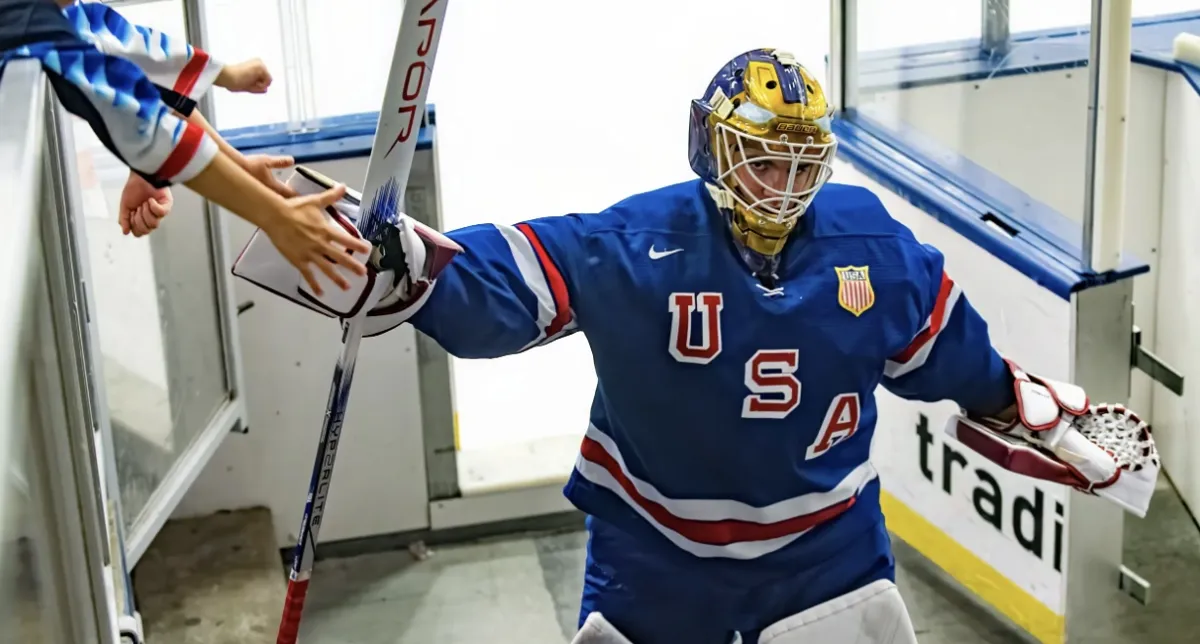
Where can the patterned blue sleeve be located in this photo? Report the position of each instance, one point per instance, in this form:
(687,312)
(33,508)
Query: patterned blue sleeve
(182,72)
(126,112)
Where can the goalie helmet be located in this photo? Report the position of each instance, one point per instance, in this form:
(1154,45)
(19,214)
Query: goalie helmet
(761,139)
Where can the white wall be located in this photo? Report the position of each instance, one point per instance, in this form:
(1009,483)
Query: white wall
(1039,147)
(1179,283)
(288,357)
(126,295)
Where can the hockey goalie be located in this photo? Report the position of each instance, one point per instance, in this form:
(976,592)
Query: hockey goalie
(740,324)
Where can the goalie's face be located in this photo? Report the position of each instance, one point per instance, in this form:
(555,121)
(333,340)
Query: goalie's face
(772,183)
(774,179)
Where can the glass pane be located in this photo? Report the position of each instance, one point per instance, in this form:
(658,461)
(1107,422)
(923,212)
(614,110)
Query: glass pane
(1018,115)
(239,30)
(375,24)
(1158,37)
(1147,8)
(157,313)
(24,606)
(1033,15)
(478,31)
(886,24)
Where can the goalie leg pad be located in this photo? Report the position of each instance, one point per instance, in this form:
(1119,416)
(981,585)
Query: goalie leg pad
(597,630)
(873,614)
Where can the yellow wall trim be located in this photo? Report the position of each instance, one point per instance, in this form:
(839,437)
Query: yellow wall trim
(976,574)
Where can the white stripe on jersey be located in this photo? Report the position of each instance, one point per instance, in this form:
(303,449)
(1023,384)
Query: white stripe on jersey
(690,517)
(917,353)
(533,274)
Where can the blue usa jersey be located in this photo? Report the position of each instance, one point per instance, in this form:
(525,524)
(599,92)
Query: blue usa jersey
(126,81)
(732,420)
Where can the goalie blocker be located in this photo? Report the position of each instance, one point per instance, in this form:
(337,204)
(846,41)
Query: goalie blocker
(401,270)
(1104,450)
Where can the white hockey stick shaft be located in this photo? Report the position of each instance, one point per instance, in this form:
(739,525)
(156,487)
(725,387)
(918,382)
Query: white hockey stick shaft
(387,177)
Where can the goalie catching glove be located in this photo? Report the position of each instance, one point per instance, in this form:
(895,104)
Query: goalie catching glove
(401,270)
(1105,450)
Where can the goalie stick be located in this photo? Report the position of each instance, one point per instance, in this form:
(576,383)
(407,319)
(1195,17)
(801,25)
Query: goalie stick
(383,193)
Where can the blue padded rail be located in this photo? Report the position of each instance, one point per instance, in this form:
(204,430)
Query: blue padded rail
(1046,245)
(337,137)
(1030,52)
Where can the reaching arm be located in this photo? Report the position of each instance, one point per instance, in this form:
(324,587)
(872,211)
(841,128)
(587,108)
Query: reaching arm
(197,119)
(260,166)
(126,112)
(1027,424)
(483,291)
(951,357)
(513,288)
(182,73)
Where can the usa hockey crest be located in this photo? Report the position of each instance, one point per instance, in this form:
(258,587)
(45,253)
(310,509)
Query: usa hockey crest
(854,288)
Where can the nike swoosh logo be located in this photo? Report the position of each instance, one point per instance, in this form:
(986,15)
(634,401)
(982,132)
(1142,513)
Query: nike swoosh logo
(659,254)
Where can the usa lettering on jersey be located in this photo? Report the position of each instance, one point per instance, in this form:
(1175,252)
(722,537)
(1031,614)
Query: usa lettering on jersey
(770,374)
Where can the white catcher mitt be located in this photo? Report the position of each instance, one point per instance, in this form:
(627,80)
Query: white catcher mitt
(401,271)
(1105,450)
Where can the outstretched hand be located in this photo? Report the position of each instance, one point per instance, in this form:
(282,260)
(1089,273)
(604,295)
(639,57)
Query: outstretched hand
(263,166)
(142,206)
(305,236)
(248,76)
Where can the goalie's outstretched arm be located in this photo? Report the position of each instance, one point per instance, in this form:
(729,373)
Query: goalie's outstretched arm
(1025,423)
(951,356)
(483,291)
(513,288)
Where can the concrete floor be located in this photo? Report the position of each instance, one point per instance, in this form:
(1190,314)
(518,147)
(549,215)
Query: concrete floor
(215,580)
(527,590)
(202,581)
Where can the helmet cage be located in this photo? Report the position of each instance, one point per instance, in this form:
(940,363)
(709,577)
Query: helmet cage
(739,156)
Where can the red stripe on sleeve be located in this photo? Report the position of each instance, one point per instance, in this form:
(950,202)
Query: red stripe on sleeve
(191,72)
(558,285)
(182,155)
(936,321)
